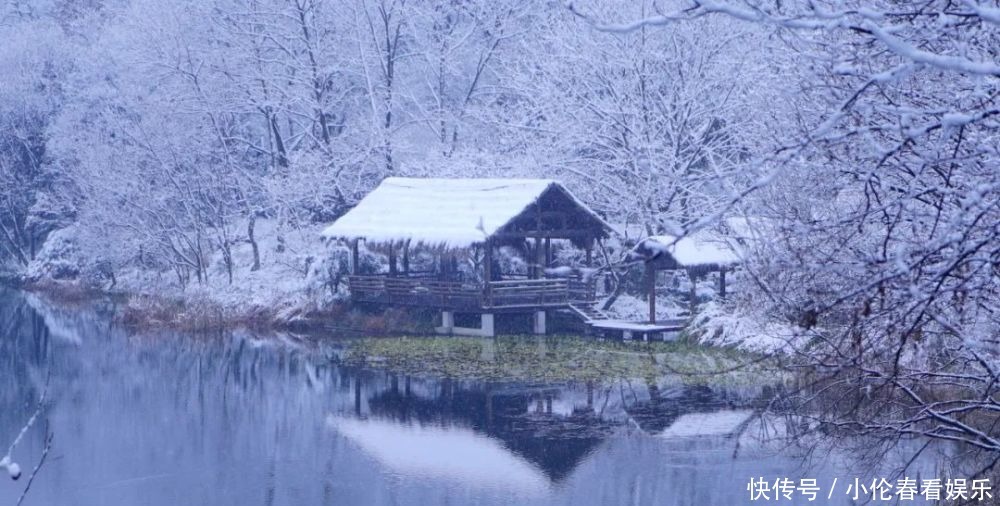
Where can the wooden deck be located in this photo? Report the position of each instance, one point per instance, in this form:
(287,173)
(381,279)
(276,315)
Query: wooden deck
(666,331)
(508,295)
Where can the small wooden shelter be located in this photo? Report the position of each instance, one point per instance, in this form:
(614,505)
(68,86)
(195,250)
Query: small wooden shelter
(471,219)
(697,255)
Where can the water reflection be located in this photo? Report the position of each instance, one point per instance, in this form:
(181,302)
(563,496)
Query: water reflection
(235,418)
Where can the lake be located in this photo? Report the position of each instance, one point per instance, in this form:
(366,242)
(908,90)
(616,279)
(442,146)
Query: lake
(237,418)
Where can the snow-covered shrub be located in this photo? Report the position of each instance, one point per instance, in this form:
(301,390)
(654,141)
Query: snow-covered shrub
(59,258)
(422,260)
(630,307)
(327,276)
(511,261)
(721,325)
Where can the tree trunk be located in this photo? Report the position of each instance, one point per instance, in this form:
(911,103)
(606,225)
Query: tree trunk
(253,242)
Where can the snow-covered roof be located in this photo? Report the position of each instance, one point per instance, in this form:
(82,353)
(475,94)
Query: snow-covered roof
(454,213)
(697,250)
(414,450)
(720,423)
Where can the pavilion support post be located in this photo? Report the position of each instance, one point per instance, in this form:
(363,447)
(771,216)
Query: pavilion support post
(487,325)
(538,322)
(590,255)
(357,395)
(355,258)
(694,291)
(488,261)
(488,273)
(722,283)
(392,259)
(447,323)
(651,286)
(539,259)
(548,252)
(406,257)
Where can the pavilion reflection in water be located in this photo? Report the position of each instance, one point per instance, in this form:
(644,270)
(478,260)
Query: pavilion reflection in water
(525,434)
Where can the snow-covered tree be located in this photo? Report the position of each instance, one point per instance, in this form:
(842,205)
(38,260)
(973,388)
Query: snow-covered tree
(655,128)
(879,210)
(37,60)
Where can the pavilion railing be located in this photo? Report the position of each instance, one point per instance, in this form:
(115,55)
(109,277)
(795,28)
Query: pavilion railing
(415,291)
(527,293)
(582,290)
(507,294)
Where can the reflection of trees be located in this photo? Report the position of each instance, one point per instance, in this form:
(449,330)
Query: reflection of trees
(24,345)
(234,402)
(661,408)
(23,349)
(806,414)
(124,403)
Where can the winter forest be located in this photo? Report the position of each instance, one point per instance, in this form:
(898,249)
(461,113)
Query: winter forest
(194,150)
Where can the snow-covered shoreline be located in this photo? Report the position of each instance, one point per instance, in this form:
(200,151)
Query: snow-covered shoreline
(299,277)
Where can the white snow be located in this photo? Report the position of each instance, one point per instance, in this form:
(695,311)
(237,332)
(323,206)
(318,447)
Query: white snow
(627,325)
(415,451)
(561,271)
(628,307)
(13,469)
(718,423)
(696,249)
(990,14)
(719,326)
(454,213)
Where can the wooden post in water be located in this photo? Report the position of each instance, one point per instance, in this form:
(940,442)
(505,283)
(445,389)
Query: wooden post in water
(538,323)
(357,394)
(651,283)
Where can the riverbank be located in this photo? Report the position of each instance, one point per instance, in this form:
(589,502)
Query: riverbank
(263,414)
(288,278)
(199,313)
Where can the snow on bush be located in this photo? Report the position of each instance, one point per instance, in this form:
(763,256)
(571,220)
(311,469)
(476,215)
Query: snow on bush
(632,308)
(299,273)
(59,259)
(718,325)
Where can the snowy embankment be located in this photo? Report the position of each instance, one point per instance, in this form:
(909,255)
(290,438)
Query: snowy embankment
(720,326)
(299,274)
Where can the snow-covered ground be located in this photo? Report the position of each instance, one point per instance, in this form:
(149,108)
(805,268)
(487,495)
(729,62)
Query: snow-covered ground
(299,273)
(719,326)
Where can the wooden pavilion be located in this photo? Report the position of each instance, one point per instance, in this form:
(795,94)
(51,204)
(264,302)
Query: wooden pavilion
(467,221)
(696,254)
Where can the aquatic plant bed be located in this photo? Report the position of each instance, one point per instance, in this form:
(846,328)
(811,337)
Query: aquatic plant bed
(558,358)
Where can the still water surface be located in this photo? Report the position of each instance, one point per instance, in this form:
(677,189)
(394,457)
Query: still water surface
(239,419)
